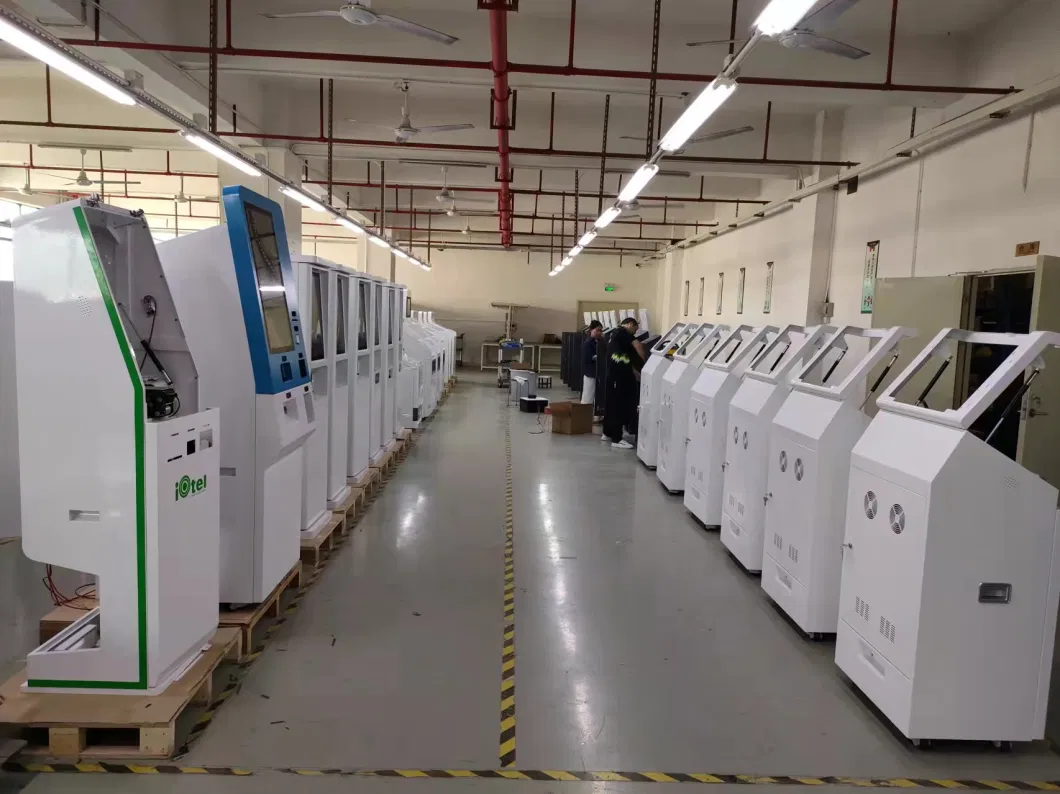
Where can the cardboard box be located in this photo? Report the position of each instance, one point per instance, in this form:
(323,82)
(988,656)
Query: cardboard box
(572,419)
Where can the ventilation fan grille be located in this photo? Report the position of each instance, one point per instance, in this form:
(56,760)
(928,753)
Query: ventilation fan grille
(897,518)
(1011,483)
(800,470)
(793,553)
(778,541)
(84,306)
(783,461)
(871,505)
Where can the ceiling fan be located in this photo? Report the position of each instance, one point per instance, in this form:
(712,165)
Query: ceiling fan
(82,179)
(632,209)
(804,36)
(447,198)
(360,13)
(713,136)
(185,198)
(404,132)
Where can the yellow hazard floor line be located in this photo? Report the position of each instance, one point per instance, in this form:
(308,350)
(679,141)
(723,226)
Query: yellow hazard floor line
(506,750)
(546,775)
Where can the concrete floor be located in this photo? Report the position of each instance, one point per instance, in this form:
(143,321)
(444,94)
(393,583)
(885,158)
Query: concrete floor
(640,644)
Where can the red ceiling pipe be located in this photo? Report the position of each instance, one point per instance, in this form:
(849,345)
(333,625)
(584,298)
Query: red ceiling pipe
(555,193)
(498,12)
(446,147)
(533,68)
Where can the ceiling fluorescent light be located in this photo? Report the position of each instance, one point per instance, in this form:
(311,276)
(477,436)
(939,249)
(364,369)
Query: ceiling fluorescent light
(553,272)
(711,98)
(303,198)
(220,153)
(378,241)
(402,254)
(587,239)
(638,182)
(43,51)
(566,261)
(782,15)
(353,227)
(575,251)
(609,215)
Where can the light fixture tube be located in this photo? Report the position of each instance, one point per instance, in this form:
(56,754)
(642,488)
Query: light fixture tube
(575,251)
(220,153)
(638,182)
(609,215)
(566,261)
(587,238)
(378,241)
(402,254)
(353,227)
(303,198)
(43,51)
(782,15)
(710,99)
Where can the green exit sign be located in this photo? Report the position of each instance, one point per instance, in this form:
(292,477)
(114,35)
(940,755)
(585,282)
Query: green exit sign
(609,287)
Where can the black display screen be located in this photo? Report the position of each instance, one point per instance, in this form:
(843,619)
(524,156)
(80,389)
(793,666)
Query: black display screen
(269,274)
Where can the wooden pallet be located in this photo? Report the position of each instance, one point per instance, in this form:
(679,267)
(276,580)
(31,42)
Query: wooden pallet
(349,509)
(245,620)
(389,461)
(317,547)
(108,727)
(368,482)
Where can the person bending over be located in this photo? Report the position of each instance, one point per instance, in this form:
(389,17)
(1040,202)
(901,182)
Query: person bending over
(622,396)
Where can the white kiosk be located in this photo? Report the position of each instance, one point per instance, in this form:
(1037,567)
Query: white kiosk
(708,408)
(650,385)
(324,299)
(950,579)
(766,384)
(363,320)
(119,466)
(377,441)
(809,465)
(673,403)
(234,288)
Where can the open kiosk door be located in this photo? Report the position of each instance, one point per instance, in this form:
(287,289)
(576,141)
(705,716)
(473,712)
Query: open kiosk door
(1012,300)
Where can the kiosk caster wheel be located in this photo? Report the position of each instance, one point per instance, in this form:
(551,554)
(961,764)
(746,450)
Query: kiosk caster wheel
(817,636)
(922,744)
(1004,747)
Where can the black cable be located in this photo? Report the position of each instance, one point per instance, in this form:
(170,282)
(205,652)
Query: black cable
(150,338)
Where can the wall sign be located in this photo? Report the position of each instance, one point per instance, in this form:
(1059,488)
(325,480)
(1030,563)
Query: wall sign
(868,284)
(769,289)
(1028,249)
(740,290)
(721,292)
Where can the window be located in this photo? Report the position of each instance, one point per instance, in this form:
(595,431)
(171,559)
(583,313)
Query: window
(702,289)
(684,301)
(721,292)
(740,290)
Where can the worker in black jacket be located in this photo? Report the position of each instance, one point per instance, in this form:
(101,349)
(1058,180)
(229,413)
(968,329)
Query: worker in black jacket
(625,359)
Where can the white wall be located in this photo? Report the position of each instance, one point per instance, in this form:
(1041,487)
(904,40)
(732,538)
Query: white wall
(961,208)
(462,285)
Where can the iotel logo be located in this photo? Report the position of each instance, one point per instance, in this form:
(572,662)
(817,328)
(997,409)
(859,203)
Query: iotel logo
(188,487)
